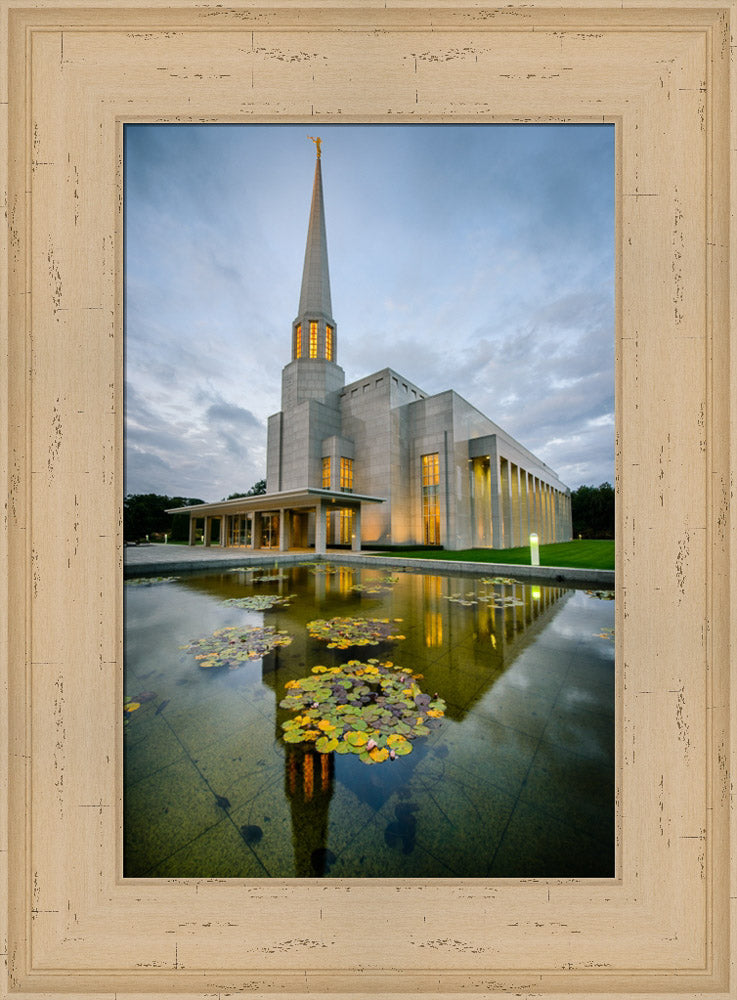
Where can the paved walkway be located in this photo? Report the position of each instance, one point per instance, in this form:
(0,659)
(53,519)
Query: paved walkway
(143,559)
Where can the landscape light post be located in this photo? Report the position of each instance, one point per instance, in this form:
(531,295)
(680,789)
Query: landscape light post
(534,550)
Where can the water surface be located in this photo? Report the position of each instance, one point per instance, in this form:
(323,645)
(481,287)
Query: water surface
(517,781)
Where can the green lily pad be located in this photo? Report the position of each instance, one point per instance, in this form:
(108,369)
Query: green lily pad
(361,708)
(325,744)
(261,602)
(232,646)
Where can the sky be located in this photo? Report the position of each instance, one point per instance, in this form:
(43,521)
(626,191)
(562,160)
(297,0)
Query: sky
(478,258)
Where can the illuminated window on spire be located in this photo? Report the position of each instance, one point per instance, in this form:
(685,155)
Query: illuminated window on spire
(313,339)
(430,504)
(298,341)
(346,475)
(329,343)
(326,473)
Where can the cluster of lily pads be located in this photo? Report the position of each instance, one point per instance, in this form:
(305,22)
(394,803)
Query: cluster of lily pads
(380,586)
(602,595)
(327,568)
(495,600)
(340,633)
(233,646)
(606,633)
(149,581)
(261,602)
(268,577)
(373,710)
(504,580)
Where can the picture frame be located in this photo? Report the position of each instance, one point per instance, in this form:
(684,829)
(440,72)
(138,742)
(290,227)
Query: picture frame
(661,74)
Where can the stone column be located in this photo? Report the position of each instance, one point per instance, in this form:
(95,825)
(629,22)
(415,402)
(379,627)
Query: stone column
(356,540)
(545,523)
(524,507)
(208,530)
(284,532)
(256,531)
(320,529)
(514,495)
(192,529)
(506,499)
(496,513)
(223,531)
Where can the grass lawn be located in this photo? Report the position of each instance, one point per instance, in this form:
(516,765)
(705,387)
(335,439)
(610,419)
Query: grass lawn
(597,554)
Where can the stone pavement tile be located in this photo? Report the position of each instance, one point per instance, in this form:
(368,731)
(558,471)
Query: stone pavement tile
(220,852)
(536,845)
(575,790)
(163,813)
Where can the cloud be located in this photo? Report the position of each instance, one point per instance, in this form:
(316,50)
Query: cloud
(478,258)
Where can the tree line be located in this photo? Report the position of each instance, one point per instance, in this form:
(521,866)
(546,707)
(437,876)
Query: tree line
(145,514)
(592,511)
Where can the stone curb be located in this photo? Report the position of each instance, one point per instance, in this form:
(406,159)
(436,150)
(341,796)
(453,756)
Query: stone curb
(544,574)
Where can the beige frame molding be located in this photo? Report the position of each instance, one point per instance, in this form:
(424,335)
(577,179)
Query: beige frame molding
(661,73)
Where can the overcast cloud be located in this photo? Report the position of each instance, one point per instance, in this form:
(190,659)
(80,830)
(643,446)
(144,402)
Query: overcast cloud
(477,258)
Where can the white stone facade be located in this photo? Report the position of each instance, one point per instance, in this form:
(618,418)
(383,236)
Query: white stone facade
(407,468)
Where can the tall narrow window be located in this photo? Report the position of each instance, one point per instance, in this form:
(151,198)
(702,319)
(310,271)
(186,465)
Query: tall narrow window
(346,527)
(313,339)
(329,343)
(326,473)
(346,475)
(298,341)
(430,504)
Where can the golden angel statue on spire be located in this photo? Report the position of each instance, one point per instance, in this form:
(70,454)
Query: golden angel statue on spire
(318,143)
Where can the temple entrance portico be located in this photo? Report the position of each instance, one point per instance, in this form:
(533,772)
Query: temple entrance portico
(296,519)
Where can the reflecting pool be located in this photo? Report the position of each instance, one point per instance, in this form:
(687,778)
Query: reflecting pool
(510,775)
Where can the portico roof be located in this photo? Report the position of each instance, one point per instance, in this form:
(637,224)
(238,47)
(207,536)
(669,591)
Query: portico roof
(291,499)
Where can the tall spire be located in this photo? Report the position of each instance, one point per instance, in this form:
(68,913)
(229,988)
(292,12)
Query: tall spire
(314,297)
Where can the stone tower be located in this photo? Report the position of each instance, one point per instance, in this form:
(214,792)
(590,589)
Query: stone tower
(312,380)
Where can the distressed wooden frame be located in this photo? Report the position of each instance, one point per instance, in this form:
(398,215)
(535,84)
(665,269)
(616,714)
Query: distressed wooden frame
(661,73)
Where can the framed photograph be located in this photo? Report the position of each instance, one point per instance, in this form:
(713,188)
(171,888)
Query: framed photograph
(76,921)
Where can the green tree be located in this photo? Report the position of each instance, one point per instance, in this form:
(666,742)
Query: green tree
(258,489)
(145,514)
(592,511)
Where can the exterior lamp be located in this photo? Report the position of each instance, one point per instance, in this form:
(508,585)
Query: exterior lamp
(534,550)
(536,593)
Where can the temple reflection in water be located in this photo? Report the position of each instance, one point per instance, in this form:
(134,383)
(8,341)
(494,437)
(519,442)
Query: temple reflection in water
(517,779)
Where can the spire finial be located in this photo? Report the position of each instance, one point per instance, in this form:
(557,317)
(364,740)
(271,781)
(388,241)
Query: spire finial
(318,142)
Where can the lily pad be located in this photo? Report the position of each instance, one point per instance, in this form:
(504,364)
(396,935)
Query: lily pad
(375,719)
(601,595)
(261,602)
(341,633)
(233,646)
(606,633)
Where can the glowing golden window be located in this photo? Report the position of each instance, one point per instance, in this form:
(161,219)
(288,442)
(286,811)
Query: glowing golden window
(298,341)
(430,470)
(326,473)
(313,339)
(346,527)
(430,499)
(329,343)
(346,475)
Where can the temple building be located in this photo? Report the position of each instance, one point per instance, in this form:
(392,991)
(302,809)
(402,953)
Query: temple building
(380,461)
